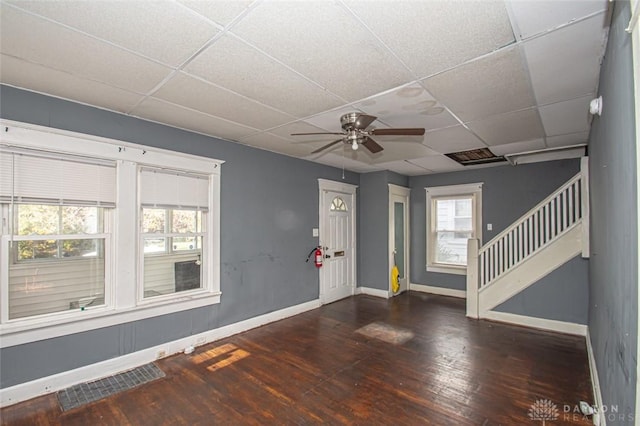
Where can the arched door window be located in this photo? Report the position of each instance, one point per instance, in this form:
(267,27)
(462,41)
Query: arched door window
(338,205)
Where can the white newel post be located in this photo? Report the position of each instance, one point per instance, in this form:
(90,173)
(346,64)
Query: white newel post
(472,278)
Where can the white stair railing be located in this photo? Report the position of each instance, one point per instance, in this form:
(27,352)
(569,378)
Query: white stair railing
(536,229)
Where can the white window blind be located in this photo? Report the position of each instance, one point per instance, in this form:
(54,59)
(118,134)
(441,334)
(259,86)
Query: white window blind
(161,188)
(34,177)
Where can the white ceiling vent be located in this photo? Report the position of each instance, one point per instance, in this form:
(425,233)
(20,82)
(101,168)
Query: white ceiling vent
(549,154)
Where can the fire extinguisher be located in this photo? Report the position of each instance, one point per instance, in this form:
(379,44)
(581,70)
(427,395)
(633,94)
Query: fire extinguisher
(317,256)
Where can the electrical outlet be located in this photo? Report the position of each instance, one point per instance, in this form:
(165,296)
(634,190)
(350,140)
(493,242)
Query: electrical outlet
(161,354)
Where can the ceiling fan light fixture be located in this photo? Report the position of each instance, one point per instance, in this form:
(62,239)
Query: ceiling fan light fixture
(354,145)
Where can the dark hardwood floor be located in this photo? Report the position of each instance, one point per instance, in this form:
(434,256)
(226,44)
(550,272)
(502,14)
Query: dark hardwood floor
(314,368)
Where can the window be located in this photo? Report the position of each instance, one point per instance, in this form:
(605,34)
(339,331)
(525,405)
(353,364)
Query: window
(57,259)
(453,217)
(338,205)
(174,207)
(57,243)
(95,232)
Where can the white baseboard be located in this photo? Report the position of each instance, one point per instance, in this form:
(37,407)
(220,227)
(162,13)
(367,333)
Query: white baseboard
(373,292)
(533,322)
(443,291)
(600,418)
(44,385)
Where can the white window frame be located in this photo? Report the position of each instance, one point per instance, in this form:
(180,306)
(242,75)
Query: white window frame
(121,295)
(473,190)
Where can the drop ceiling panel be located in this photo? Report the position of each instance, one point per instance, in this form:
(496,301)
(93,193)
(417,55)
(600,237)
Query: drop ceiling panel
(236,66)
(512,148)
(489,86)
(19,73)
(405,168)
(452,139)
(394,150)
(408,106)
(565,64)
(163,112)
(567,140)
(566,117)
(220,11)
(343,160)
(142,26)
(296,34)
(51,45)
(275,143)
(196,94)
(510,127)
(431,36)
(438,164)
(534,17)
(302,127)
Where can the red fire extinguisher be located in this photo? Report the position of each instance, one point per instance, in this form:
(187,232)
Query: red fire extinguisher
(317,256)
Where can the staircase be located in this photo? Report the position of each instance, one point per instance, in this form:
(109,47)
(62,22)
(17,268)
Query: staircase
(543,239)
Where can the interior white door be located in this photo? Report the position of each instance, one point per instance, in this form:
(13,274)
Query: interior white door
(336,275)
(399,234)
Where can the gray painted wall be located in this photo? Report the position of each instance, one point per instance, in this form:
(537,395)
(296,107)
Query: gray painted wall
(269,206)
(563,295)
(613,311)
(373,266)
(373,226)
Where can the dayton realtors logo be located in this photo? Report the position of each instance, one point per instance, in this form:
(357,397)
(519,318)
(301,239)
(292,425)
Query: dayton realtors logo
(544,410)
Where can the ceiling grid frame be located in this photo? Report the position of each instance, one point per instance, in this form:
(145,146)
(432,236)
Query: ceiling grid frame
(26,65)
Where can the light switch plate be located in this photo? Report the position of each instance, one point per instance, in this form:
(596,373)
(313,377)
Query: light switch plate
(316,232)
(489,227)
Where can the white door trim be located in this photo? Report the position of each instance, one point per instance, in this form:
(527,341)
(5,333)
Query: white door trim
(347,189)
(403,192)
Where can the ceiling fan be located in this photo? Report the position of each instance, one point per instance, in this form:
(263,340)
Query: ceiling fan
(354,134)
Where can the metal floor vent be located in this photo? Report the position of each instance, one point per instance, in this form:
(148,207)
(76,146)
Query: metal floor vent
(84,393)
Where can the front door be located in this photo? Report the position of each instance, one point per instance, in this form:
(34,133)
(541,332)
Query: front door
(337,275)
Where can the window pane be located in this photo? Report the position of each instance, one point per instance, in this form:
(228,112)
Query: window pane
(463,207)
(186,221)
(59,285)
(173,272)
(462,224)
(37,219)
(81,220)
(451,247)
(185,243)
(80,248)
(454,214)
(43,249)
(155,245)
(153,220)
(338,205)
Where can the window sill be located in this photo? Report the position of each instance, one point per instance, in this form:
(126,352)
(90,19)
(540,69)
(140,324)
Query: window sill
(447,269)
(28,331)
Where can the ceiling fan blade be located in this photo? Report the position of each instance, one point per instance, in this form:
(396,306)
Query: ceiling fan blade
(363,121)
(323,133)
(397,132)
(326,146)
(371,145)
